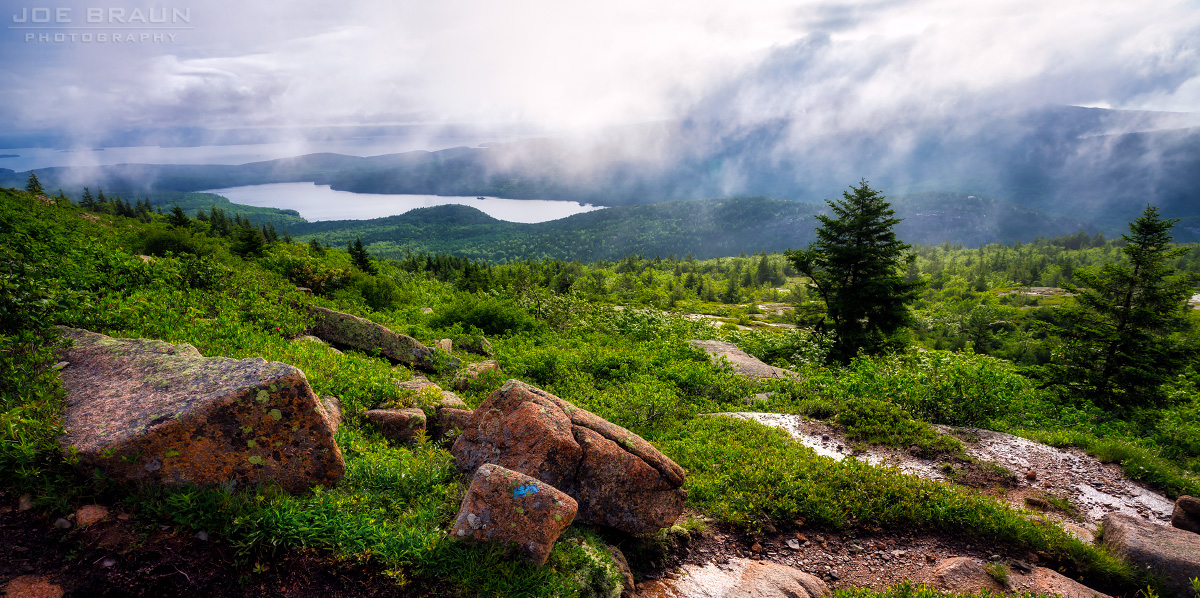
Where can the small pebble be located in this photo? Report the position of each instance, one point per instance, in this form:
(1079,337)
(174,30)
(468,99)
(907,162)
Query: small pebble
(202,535)
(756,547)
(108,563)
(25,502)
(61,523)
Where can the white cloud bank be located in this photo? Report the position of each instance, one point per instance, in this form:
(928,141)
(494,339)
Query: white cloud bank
(574,66)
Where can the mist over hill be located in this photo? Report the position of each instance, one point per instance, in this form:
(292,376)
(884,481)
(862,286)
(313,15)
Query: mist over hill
(1099,166)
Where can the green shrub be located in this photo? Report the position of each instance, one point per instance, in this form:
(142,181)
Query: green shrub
(493,315)
(174,241)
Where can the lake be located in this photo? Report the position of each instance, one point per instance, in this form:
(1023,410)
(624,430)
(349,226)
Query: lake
(320,202)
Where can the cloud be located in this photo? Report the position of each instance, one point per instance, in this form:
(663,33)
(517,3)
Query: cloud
(829,65)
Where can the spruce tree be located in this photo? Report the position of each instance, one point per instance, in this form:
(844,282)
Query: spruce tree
(1124,334)
(247,240)
(856,265)
(33,186)
(179,218)
(87,202)
(360,257)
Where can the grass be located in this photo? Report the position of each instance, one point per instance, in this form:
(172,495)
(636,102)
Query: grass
(630,366)
(998,572)
(908,590)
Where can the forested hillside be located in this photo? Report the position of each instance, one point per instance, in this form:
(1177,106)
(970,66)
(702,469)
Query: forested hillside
(702,228)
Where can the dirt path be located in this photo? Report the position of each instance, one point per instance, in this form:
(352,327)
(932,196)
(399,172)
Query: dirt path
(1043,474)
(1065,485)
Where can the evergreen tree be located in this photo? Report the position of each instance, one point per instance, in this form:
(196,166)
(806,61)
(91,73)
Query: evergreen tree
(87,202)
(732,292)
(178,218)
(360,257)
(855,265)
(315,247)
(33,185)
(247,240)
(218,222)
(1123,336)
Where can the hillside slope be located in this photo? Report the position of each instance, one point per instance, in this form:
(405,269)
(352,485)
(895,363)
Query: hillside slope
(703,228)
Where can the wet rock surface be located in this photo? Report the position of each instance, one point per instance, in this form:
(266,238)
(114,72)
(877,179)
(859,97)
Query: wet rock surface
(147,410)
(507,506)
(738,578)
(743,363)
(360,333)
(618,478)
(1092,489)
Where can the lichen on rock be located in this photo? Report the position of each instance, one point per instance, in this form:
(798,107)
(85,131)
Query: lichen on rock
(148,410)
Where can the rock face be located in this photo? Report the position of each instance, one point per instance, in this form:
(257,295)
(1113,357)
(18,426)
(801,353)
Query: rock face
(1172,553)
(963,574)
(401,425)
(743,363)
(478,346)
(473,371)
(421,383)
(360,333)
(1048,582)
(628,586)
(740,578)
(618,478)
(506,506)
(450,421)
(147,410)
(1187,514)
(333,412)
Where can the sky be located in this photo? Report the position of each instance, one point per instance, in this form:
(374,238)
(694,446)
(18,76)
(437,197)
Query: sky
(565,66)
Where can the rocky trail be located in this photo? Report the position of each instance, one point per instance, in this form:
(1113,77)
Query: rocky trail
(1065,485)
